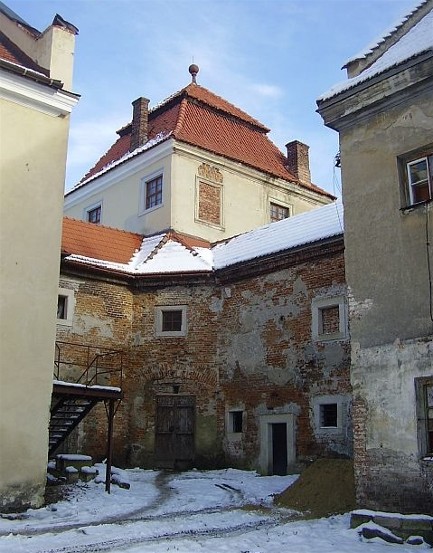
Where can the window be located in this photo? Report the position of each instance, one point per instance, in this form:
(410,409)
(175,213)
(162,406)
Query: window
(424,394)
(328,415)
(331,415)
(279,212)
(235,421)
(153,192)
(416,173)
(65,306)
(170,321)
(93,213)
(329,319)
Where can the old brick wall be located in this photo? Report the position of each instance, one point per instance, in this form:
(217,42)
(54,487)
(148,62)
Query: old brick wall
(102,318)
(271,365)
(248,347)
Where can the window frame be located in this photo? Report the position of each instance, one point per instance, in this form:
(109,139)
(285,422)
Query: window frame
(279,205)
(342,401)
(145,181)
(423,417)
(159,315)
(234,417)
(70,306)
(317,306)
(89,209)
(405,161)
(323,416)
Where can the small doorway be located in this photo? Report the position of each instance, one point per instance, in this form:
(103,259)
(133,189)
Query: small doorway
(174,432)
(277,443)
(279,448)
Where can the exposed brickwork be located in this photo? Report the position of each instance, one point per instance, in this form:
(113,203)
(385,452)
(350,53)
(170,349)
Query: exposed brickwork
(298,161)
(209,203)
(248,346)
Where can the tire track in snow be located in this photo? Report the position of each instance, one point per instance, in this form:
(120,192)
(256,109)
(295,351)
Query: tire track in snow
(121,543)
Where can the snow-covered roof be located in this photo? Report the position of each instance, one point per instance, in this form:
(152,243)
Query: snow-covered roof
(374,44)
(286,234)
(168,253)
(418,40)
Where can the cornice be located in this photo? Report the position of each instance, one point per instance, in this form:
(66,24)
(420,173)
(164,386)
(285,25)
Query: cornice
(379,93)
(34,95)
(120,172)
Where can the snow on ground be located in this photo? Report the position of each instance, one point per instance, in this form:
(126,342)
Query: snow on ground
(197,511)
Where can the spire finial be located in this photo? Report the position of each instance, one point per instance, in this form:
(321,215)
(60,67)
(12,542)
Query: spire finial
(194,69)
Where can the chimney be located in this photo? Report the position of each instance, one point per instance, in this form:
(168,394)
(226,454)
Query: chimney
(140,114)
(298,161)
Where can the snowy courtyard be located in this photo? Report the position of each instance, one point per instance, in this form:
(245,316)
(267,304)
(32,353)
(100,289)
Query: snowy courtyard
(197,511)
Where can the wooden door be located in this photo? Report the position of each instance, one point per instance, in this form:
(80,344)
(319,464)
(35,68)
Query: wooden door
(174,431)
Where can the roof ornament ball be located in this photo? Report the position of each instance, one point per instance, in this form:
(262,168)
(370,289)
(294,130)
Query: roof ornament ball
(193,69)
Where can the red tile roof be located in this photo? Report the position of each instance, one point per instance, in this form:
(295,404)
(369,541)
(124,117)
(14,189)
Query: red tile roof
(199,117)
(111,244)
(98,242)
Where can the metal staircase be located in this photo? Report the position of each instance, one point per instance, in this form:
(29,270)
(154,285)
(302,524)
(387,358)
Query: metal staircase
(66,414)
(83,376)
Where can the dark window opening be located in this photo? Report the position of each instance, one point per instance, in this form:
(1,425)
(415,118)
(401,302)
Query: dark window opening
(328,415)
(236,421)
(62,307)
(172,321)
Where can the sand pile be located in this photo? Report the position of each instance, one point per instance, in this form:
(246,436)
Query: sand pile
(325,488)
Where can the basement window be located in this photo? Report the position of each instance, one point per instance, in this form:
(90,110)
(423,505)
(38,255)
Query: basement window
(65,307)
(170,321)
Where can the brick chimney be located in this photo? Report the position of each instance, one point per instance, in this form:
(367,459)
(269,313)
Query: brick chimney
(140,114)
(298,161)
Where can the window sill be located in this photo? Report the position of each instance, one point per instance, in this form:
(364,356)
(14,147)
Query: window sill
(330,337)
(409,208)
(150,209)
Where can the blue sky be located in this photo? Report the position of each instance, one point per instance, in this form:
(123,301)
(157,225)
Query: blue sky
(271,58)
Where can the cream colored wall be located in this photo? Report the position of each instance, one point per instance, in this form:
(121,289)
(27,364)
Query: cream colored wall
(53,50)
(246,196)
(121,201)
(32,163)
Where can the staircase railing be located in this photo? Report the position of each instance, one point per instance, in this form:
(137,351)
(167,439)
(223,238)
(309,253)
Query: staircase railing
(88,365)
